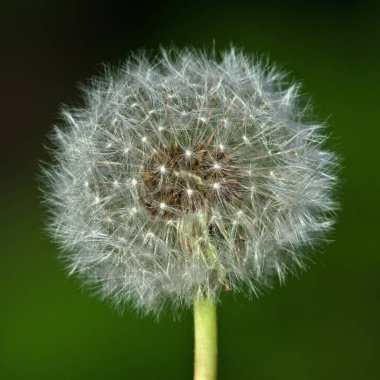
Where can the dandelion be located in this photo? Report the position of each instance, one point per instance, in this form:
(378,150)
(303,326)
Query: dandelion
(186,176)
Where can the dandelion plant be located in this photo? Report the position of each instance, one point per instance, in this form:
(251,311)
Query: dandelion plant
(186,175)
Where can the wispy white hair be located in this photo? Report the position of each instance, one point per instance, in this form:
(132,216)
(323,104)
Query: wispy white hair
(187,175)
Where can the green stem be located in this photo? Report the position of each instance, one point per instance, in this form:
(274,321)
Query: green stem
(205,326)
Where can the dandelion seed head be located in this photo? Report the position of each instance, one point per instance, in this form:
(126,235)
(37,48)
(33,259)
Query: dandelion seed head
(186,175)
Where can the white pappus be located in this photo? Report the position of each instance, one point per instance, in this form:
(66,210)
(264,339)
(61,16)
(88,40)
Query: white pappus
(188,174)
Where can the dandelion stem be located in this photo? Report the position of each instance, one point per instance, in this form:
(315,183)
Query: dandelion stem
(205,330)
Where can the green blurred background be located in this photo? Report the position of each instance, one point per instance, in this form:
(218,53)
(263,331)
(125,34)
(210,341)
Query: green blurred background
(323,325)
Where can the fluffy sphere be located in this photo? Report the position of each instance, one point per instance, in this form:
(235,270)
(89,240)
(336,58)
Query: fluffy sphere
(188,175)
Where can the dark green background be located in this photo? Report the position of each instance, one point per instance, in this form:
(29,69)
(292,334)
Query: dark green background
(323,325)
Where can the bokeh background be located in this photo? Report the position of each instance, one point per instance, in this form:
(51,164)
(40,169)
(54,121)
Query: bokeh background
(323,325)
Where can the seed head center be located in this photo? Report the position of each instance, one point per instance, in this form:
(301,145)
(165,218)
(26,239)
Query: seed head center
(186,180)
